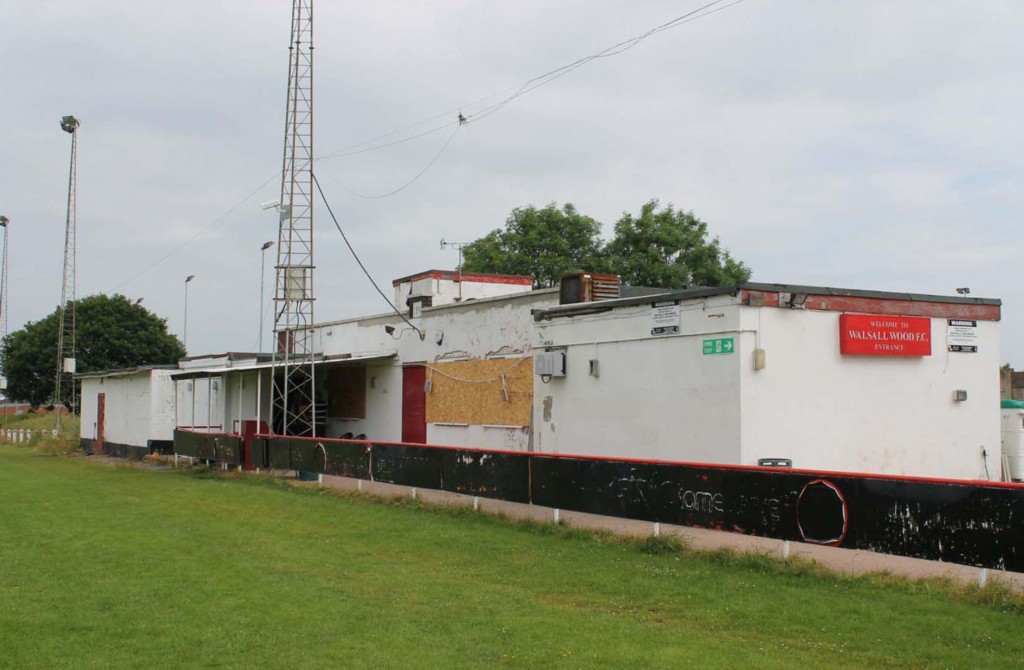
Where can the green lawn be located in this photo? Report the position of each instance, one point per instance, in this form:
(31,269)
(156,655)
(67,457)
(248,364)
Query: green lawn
(106,566)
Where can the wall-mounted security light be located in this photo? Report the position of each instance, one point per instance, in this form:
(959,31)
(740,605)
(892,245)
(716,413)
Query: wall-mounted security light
(396,333)
(964,291)
(960,395)
(797,300)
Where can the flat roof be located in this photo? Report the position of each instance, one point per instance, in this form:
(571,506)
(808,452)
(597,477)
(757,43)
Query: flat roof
(483,277)
(202,373)
(469,302)
(123,372)
(705,292)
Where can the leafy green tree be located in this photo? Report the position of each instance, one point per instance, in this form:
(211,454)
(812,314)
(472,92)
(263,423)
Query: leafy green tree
(670,248)
(112,333)
(662,248)
(543,243)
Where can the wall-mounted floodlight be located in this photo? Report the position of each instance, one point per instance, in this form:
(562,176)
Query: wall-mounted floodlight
(964,291)
(68,124)
(797,300)
(397,334)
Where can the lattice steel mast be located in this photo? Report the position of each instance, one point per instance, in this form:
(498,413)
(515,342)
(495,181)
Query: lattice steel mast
(64,384)
(293,387)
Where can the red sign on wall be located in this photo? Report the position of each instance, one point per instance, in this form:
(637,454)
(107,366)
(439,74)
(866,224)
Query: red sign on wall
(874,335)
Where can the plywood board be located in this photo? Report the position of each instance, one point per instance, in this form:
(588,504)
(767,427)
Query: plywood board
(472,392)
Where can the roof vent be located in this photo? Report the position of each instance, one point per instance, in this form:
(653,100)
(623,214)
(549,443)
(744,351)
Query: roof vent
(588,287)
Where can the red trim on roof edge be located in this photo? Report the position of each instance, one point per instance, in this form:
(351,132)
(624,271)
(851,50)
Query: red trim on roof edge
(943,310)
(895,307)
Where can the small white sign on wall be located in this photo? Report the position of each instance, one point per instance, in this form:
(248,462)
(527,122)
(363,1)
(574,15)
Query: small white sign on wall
(665,317)
(962,335)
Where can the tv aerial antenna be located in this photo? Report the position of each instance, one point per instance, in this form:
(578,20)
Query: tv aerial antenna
(445,245)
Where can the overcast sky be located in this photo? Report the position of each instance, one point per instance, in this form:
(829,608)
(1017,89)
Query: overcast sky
(867,144)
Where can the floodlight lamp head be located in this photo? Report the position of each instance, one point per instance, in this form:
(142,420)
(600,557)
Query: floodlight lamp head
(270,204)
(189,278)
(266,245)
(4,221)
(963,291)
(443,244)
(68,124)
(390,330)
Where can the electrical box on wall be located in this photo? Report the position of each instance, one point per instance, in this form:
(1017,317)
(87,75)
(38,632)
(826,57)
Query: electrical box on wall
(549,363)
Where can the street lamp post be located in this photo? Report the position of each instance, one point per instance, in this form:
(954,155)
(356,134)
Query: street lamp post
(185,328)
(263,280)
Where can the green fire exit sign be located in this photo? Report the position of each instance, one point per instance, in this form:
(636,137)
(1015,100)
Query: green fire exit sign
(721,345)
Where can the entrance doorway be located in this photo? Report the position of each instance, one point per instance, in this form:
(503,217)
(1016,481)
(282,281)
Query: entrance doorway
(414,404)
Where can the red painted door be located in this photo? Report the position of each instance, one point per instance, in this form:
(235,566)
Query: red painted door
(101,416)
(414,405)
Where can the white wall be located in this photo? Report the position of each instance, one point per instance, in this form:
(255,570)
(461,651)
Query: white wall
(128,407)
(447,291)
(505,438)
(655,396)
(885,414)
(90,388)
(244,389)
(161,412)
(383,406)
(202,412)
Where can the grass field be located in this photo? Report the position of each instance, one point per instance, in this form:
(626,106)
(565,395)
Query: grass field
(105,566)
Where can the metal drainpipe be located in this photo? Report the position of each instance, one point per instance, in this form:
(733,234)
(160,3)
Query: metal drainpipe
(209,404)
(259,399)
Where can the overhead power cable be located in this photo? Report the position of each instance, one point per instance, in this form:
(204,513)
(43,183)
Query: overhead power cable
(359,261)
(414,179)
(214,224)
(528,85)
(614,50)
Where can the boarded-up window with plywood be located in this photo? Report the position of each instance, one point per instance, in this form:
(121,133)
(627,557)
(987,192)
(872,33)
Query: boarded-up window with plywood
(346,389)
(495,392)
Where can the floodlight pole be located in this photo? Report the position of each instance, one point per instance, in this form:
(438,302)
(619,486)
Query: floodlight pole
(65,378)
(184,329)
(3,312)
(3,281)
(263,281)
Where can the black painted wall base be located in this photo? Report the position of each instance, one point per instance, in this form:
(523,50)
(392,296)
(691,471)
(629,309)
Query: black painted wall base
(129,451)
